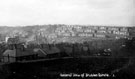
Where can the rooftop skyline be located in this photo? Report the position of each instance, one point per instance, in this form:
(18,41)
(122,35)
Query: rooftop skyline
(83,12)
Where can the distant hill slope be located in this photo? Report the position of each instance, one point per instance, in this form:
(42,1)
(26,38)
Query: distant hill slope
(41,32)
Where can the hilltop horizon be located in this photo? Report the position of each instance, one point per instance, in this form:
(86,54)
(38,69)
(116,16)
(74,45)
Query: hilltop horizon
(66,24)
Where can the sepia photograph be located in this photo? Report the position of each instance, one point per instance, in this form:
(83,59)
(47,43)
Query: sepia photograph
(67,39)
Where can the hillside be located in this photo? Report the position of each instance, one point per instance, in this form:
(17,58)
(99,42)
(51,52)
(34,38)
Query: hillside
(62,33)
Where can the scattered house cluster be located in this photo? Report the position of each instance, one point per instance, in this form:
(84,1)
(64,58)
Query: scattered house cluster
(52,33)
(15,51)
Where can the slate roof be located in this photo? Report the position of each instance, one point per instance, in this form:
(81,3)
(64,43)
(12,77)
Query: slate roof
(17,52)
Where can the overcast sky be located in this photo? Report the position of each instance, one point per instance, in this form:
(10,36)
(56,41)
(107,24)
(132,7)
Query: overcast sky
(84,12)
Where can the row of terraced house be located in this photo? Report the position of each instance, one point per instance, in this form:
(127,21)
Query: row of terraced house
(92,32)
(96,31)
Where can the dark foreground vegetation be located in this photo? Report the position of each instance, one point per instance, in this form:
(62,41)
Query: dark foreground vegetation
(114,67)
